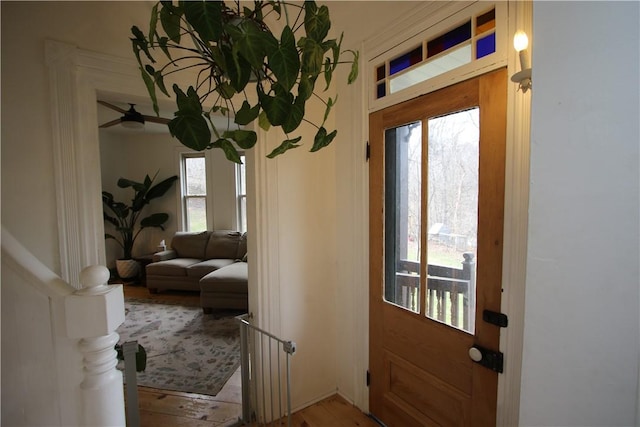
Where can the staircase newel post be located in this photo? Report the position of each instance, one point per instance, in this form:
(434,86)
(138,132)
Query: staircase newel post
(93,313)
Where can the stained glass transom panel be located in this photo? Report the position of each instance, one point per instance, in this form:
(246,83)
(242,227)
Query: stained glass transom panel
(466,42)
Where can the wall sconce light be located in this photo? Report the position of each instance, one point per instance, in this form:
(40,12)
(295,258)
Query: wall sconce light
(522,77)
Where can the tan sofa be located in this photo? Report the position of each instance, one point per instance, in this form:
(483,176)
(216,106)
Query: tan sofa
(211,262)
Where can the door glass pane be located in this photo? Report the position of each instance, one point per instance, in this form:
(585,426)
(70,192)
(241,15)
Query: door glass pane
(452,224)
(403,159)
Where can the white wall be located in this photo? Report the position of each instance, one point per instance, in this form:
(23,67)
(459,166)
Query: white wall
(581,322)
(29,208)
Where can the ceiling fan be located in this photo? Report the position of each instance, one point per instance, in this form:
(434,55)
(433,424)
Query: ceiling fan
(131,118)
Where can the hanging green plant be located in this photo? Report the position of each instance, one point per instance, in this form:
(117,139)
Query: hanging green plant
(232,51)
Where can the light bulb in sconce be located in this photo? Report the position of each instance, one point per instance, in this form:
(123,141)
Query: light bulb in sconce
(523,77)
(520,41)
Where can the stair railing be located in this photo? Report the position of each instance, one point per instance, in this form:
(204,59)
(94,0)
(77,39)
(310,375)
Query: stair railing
(266,376)
(58,357)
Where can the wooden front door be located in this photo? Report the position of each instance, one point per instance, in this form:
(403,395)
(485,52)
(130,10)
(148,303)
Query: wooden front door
(436,223)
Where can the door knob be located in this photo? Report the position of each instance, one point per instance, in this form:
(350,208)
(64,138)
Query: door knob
(475,354)
(493,360)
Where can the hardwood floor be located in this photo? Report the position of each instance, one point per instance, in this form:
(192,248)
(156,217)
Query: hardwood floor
(165,408)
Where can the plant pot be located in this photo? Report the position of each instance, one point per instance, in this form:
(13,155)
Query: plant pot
(128,269)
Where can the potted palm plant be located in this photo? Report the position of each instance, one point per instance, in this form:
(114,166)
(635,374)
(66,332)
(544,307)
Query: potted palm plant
(126,218)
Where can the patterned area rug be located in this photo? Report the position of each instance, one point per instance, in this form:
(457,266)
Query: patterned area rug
(186,350)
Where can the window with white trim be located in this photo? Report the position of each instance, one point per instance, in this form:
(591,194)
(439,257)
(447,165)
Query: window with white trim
(194,191)
(241,194)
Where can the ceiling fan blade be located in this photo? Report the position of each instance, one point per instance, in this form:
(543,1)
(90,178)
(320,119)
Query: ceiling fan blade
(155,119)
(111,123)
(113,107)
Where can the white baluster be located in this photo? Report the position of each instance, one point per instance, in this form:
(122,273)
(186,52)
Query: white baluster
(94,312)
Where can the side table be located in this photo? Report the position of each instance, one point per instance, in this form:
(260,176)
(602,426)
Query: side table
(144,260)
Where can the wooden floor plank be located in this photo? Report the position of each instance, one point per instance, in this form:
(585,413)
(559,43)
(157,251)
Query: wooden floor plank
(186,407)
(345,412)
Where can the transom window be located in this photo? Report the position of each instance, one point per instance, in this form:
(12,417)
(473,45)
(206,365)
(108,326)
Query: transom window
(473,38)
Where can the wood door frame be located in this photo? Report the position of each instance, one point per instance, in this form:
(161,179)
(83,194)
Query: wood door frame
(488,92)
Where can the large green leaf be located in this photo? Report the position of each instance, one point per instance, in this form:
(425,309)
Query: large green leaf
(140,43)
(160,188)
(158,78)
(163,42)
(305,87)
(229,150)
(353,75)
(312,56)
(126,183)
(189,103)
(153,23)
(316,21)
(285,146)
(154,220)
(328,72)
(191,130)
(336,51)
(295,116)
(245,139)
(330,104)
(278,107)
(251,42)
(246,114)
(321,139)
(284,61)
(236,68)
(151,88)
(263,121)
(205,17)
(170,20)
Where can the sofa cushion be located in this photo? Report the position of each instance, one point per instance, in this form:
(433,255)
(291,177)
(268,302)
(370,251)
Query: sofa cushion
(230,279)
(222,244)
(205,267)
(173,267)
(190,245)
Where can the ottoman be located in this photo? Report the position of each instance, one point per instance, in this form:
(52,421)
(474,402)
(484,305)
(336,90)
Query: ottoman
(225,288)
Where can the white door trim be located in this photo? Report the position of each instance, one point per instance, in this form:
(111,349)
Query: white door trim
(76,77)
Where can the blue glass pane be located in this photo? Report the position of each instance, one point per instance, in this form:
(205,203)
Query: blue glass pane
(486,46)
(448,40)
(405,61)
(380,73)
(381,89)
